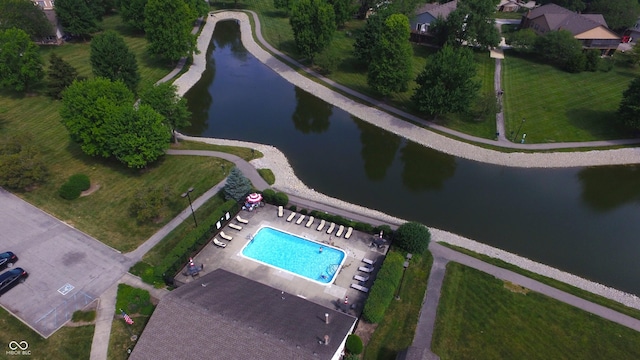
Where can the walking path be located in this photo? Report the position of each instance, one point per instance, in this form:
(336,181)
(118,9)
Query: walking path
(301,194)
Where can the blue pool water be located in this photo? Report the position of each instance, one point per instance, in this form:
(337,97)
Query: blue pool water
(295,254)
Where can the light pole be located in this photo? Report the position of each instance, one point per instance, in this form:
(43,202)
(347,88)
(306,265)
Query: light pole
(186,194)
(517,132)
(404,270)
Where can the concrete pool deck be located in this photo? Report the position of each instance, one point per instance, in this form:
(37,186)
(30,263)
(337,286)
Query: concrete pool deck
(230,258)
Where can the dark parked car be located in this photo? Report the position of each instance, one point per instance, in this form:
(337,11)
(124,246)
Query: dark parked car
(7,260)
(11,278)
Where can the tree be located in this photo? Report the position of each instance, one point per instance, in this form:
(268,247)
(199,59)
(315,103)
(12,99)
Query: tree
(61,75)
(342,10)
(87,107)
(283,5)
(413,237)
(313,24)
(471,22)
(168,25)
(237,185)
(21,164)
(77,17)
(370,36)
(629,109)
(198,8)
(138,136)
(619,14)
(25,15)
(164,99)
(560,48)
(20,61)
(522,40)
(391,69)
(111,58)
(447,82)
(132,12)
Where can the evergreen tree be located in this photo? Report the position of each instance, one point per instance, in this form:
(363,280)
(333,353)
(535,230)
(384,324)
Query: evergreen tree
(390,69)
(237,186)
(629,109)
(447,82)
(112,59)
(20,61)
(313,24)
(61,75)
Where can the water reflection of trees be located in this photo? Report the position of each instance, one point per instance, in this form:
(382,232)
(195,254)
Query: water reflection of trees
(605,188)
(226,35)
(199,98)
(312,114)
(379,148)
(425,168)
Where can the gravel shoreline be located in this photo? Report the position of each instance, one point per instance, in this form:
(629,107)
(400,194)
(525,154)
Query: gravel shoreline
(288,182)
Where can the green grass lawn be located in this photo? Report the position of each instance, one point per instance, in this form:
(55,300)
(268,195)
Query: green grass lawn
(398,327)
(559,106)
(120,340)
(67,343)
(481,317)
(104,214)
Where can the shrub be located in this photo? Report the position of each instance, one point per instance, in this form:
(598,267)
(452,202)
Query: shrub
(592,60)
(384,228)
(148,203)
(382,291)
(269,196)
(303,211)
(354,344)
(133,300)
(21,164)
(281,199)
(69,191)
(413,237)
(81,181)
(293,208)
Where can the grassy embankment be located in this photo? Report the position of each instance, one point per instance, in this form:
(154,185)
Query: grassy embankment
(481,317)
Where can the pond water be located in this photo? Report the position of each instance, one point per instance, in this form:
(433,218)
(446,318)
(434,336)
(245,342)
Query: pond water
(582,220)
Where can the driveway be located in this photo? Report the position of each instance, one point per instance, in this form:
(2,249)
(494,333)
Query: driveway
(67,268)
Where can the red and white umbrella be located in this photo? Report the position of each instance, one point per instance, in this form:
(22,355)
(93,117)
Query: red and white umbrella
(254,198)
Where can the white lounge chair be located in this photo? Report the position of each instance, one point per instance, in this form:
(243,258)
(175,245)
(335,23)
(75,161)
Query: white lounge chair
(280,211)
(360,288)
(340,231)
(331,227)
(225,236)
(368,261)
(291,216)
(361,278)
(366,269)
(349,231)
(219,243)
(234,226)
(310,222)
(241,220)
(300,219)
(321,226)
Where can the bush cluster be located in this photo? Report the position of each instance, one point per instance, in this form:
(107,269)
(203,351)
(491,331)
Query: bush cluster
(74,186)
(192,243)
(276,198)
(384,287)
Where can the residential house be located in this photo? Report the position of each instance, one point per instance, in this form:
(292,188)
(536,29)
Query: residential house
(509,5)
(48,7)
(633,33)
(590,29)
(428,13)
(226,316)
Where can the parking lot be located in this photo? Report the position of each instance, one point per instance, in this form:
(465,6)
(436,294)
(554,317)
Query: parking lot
(67,268)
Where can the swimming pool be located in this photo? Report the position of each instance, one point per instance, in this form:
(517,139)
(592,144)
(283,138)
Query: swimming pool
(302,257)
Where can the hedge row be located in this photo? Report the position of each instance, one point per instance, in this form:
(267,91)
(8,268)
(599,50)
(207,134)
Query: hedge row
(275,198)
(384,287)
(193,242)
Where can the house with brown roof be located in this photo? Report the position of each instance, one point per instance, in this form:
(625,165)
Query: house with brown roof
(226,316)
(590,29)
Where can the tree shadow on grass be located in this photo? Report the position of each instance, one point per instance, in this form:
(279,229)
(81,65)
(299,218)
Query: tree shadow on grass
(231,5)
(278,14)
(600,124)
